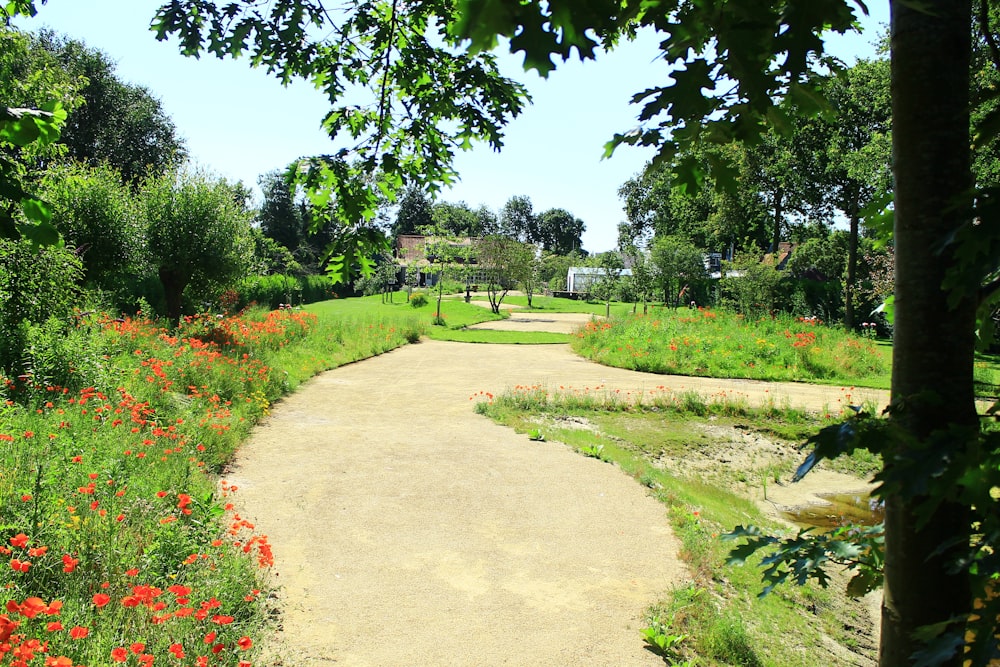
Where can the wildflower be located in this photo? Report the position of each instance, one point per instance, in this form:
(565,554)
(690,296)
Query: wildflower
(79,632)
(244,642)
(20,540)
(69,563)
(101,599)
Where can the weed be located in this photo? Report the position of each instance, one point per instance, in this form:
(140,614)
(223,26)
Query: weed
(663,640)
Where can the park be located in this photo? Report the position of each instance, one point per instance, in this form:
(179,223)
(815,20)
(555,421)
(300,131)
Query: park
(334,415)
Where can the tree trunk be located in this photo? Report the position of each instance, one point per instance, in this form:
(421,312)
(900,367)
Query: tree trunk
(779,212)
(173,283)
(852,266)
(932,383)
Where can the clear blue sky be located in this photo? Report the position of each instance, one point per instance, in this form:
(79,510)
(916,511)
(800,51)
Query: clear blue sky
(241,123)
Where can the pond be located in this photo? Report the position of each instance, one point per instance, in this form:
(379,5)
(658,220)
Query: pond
(842,509)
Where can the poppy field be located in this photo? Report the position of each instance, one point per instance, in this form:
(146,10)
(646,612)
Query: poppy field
(119,538)
(718,343)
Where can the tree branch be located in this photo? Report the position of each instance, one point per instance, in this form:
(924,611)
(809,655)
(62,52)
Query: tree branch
(382,104)
(984,28)
(989,290)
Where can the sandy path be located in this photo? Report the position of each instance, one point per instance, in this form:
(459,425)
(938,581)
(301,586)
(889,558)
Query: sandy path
(407,530)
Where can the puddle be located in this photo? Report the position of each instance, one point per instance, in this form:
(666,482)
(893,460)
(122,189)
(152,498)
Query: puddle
(842,509)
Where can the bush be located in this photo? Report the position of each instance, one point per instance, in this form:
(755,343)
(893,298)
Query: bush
(418,300)
(35,285)
(274,290)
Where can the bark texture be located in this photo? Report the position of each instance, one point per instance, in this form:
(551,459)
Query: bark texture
(932,384)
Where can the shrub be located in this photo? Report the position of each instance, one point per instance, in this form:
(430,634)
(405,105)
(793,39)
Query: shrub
(35,285)
(418,300)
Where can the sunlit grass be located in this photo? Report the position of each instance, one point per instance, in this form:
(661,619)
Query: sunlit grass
(710,343)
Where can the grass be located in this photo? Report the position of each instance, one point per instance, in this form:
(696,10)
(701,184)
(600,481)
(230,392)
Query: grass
(721,344)
(500,337)
(718,615)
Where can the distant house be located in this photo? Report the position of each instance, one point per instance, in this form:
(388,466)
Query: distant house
(413,256)
(580,279)
(780,258)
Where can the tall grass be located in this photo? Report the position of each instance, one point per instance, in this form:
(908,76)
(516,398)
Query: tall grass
(121,544)
(723,344)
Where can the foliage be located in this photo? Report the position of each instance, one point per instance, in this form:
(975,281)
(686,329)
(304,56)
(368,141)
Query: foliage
(678,269)
(118,124)
(751,286)
(284,217)
(559,231)
(96,215)
(518,219)
(36,97)
(819,258)
(501,260)
(714,217)
(427,98)
(197,234)
(457,219)
(414,213)
(35,285)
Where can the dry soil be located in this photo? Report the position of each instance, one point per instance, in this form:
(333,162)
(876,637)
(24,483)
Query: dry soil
(407,530)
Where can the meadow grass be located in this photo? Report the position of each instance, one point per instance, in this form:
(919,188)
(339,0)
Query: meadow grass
(717,618)
(121,540)
(500,337)
(711,343)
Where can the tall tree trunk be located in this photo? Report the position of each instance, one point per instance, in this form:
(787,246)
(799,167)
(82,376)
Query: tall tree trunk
(932,384)
(779,212)
(852,265)
(173,289)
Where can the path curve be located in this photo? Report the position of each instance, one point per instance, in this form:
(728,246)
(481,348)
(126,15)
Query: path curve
(407,530)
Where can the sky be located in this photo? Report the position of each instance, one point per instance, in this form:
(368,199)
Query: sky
(240,123)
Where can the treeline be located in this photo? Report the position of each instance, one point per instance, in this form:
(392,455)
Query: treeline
(117,219)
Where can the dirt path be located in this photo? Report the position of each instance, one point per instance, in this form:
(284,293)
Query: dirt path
(407,530)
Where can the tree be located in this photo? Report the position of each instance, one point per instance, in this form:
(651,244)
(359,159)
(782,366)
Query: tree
(527,270)
(486,221)
(612,265)
(197,234)
(500,261)
(117,123)
(517,219)
(95,214)
(414,214)
(559,231)
(456,219)
(858,171)
(714,216)
(676,265)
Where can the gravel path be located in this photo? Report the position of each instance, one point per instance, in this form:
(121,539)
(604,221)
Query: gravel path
(407,530)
